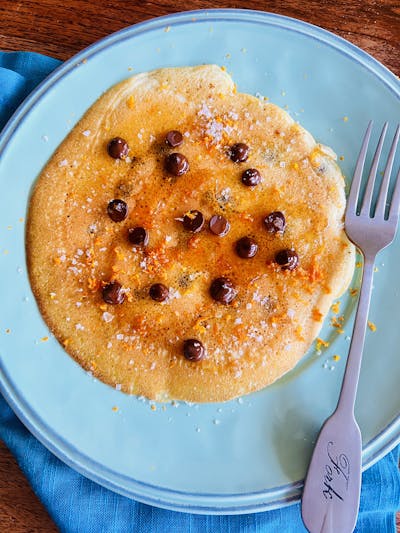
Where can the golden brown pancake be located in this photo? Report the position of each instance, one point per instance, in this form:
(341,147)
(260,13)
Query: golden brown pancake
(94,279)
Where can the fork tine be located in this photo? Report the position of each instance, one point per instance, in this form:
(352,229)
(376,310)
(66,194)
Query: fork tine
(366,203)
(395,203)
(355,184)
(381,204)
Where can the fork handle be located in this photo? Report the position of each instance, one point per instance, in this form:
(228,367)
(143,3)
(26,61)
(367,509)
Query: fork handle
(352,372)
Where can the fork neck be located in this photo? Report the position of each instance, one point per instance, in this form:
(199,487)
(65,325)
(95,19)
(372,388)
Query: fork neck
(352,373)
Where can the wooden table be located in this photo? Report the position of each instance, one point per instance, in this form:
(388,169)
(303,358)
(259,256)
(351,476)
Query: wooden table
(61,29)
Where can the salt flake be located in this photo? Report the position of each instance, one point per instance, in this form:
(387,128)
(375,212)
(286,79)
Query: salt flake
(107,317)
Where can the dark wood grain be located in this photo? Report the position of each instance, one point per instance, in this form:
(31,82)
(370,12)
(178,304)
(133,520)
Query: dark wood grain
(61,29)
(20,510)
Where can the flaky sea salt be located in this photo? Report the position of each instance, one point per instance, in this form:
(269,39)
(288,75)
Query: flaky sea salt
(225,194)
(107,317)
(214,129)
(204,111)
(257,297)
(174,294)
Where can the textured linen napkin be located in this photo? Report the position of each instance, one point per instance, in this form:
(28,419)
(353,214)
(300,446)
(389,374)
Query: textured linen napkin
(78,505)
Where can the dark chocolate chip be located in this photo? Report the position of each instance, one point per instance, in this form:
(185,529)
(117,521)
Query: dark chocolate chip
(159,292)
(174,138)
(193,221)
(287,259)
(176,164)
(251,177)
(193,350)
(219,225)
(113,293)
(275,222)
(118,148)
(138,236)
(222,290)
(239,152)
(117,210)
(246,247)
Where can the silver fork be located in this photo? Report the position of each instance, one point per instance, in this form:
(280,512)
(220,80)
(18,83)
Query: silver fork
(332,487)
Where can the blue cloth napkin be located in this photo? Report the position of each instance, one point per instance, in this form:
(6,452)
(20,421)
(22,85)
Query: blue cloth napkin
(79,505)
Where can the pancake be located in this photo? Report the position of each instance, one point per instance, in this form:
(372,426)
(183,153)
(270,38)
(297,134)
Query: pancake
(186,241)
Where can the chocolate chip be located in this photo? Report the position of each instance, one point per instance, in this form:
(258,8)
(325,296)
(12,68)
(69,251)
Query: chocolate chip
(176,164)
(251,177)
(287,259)
(138,236)
(275,222)
(246,247)
(193,221)
(219,225)
(174,138)
(118,148)
(159,292)
(117,210)
(113,293)
(222,290)
(193,350)
(239,152)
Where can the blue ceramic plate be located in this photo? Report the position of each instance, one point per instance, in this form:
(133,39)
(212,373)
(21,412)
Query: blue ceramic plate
(245,455)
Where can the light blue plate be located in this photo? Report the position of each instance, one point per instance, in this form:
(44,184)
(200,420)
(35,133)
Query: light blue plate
(245,455)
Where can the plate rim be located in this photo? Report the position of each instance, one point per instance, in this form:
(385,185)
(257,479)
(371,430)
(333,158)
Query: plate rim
(237,503)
